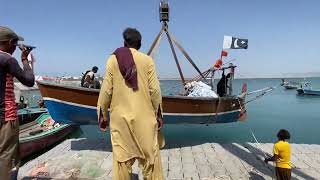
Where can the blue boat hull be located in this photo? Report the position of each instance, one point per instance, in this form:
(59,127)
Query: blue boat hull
(69,113)
(78,105)
(308,92)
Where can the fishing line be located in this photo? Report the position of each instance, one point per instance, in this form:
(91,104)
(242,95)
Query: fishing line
(257,143)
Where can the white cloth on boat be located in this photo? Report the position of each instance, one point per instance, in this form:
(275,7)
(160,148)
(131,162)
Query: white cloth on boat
(200,89)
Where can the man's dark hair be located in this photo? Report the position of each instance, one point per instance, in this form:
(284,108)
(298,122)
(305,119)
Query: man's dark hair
(283,134)
(94,68)
(132,38)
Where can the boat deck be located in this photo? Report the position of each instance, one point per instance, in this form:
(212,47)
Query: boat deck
(92,159)
(30,127)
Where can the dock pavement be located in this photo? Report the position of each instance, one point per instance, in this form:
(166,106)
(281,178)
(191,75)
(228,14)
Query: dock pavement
(92,159)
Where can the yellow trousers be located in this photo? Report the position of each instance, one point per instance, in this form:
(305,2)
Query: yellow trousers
(123,170)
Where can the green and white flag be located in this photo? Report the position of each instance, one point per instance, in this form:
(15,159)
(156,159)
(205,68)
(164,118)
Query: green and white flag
(230,42)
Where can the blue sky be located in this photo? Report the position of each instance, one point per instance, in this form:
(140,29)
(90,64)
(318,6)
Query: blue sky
(72,36)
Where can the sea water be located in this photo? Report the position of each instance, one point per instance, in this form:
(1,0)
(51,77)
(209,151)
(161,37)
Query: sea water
(278,109)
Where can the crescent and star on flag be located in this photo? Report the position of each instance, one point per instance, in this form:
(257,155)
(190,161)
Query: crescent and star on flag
(230,42)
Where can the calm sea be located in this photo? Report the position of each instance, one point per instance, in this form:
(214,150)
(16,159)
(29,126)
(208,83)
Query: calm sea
(278,109)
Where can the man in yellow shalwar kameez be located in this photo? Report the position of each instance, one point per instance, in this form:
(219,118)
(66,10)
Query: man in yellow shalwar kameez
(132,91)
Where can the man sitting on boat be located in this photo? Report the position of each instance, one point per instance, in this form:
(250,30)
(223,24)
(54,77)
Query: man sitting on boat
(9,123)
(222,85)
(132,91)
(88,79)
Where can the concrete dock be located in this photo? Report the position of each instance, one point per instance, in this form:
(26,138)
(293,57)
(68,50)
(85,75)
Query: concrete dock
(88,159)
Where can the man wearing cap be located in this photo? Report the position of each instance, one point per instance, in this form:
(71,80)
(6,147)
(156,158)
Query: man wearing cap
(9,124)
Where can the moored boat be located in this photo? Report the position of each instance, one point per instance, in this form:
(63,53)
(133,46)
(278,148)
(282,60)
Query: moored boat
(290,84)
(41,133)
(27,115)
(78,105)
(306,91)
(68,104)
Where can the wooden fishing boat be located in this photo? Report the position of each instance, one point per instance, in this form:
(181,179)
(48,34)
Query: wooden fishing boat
(67,104)
(78,105)
(34,136)
(27,115)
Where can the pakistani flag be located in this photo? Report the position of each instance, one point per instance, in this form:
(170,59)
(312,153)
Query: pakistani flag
(230,42)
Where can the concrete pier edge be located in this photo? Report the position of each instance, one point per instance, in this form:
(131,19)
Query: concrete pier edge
(92,159)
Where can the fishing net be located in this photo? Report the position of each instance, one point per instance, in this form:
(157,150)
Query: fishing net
(200,89)
(73,165)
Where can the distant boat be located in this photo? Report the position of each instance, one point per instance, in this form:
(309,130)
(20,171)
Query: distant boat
(307,90)
(34,136)
(290,84)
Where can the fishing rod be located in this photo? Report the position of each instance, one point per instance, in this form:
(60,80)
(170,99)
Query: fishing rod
(258,143)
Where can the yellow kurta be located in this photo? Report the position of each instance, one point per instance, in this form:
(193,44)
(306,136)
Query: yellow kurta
(133,124)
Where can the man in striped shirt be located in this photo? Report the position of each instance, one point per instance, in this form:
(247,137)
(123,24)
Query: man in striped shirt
(9,124)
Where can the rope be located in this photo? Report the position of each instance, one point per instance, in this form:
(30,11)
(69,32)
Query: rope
(258,147)
(260,90)
(257,143)
(265,91)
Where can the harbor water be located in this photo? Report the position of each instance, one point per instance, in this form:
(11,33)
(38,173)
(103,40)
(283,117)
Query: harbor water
(277,109)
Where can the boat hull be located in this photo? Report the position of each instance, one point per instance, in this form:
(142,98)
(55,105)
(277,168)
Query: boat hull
(27,115)
(78,105)
(32,144)
(302,91)
(290,87)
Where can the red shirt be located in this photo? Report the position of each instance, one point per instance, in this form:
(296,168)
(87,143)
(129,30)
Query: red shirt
(9,68)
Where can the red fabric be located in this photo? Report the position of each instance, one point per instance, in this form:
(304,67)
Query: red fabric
(218,64)
(224,53)
(244,88)
(9,100)
(127,66)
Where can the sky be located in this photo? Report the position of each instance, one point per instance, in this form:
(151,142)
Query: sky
(71,36)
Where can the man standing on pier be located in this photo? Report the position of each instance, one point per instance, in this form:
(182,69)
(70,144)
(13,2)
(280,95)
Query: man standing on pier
(132,91)
(9,123)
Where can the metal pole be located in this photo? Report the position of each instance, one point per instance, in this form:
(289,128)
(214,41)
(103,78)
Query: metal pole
(155,42)
(231,78)
(212,79)
(186,55)
(175,57)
